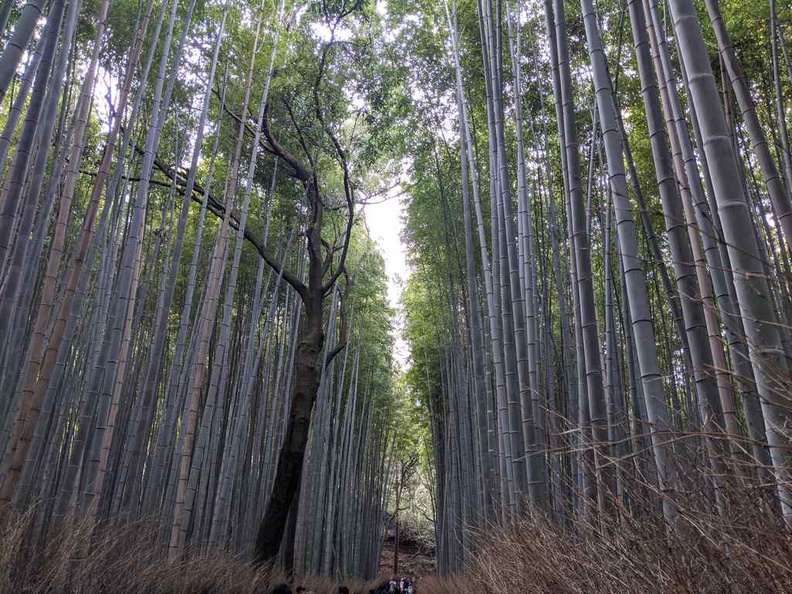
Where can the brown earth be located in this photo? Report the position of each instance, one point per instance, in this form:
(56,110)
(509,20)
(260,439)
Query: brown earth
(415,561)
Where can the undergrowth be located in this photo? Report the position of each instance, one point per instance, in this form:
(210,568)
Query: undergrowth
(739,550)
(81,557)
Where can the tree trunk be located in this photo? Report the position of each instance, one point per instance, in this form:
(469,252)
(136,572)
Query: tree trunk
(307,369)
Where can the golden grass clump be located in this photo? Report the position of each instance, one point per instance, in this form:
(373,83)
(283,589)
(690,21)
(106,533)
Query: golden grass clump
(113,558)
(707,554)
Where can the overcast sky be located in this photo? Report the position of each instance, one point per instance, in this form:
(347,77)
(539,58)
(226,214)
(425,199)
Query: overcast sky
(384,221)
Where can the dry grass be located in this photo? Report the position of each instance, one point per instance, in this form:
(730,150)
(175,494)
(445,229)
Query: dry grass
(741,548)
(83,558)
(537,557)
(450,585)
(744,551)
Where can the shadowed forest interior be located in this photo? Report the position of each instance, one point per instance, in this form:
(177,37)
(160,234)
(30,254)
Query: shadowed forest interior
(494,295)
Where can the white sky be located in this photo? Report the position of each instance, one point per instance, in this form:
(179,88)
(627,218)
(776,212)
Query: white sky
(384,222)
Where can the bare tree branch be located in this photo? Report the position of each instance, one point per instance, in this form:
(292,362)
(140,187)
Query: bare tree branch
(218,209)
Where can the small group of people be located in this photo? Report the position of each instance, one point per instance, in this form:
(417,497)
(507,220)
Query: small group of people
(403,586)
(395,586)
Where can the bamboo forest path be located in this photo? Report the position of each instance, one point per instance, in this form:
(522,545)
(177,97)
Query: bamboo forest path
(498,291)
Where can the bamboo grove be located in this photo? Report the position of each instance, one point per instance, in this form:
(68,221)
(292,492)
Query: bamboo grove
(194,330)
(598,227)
(193,315)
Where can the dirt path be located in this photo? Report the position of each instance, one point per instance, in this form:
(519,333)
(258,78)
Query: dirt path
(414,562)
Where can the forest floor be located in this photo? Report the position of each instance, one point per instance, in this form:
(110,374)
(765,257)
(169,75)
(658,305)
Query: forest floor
(415,562)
